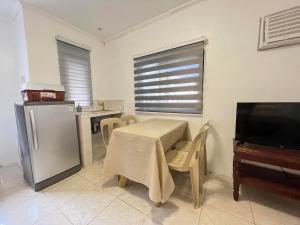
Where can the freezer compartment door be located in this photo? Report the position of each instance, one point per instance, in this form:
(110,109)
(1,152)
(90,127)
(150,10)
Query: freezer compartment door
(53,140)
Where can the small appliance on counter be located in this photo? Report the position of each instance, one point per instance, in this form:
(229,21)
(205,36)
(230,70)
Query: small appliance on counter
(35,92)
(48,141)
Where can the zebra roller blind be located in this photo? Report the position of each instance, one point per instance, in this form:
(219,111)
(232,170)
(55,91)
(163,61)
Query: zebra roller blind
(75,73)
(170,81)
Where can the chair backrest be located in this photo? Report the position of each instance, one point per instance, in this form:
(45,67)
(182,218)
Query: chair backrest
(128,119)
(199,142)
(107,126)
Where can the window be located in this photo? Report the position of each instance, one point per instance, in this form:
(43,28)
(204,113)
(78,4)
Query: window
(170,81)
(75,73)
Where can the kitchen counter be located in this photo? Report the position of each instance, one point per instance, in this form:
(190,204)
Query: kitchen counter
(85,134)
(97,113)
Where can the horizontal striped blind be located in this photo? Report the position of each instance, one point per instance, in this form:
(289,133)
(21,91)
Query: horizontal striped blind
(170,81)
(75,73)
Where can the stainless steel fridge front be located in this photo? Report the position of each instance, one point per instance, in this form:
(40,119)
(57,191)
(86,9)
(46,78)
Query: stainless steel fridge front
(52,139)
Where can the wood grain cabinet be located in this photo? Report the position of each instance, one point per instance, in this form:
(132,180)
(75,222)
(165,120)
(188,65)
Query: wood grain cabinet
(277,181)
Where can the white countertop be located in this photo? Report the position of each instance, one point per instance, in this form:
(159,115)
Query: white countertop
(97,113)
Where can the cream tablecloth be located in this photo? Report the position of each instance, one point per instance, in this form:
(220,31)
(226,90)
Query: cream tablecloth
(138,153)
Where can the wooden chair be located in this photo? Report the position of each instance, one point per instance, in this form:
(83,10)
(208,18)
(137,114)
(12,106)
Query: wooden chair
(190,156)
(107,126)
(128,119)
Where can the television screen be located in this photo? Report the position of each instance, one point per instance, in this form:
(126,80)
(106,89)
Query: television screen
(273,124)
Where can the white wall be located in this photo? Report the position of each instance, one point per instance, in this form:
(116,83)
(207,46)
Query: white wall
(41,30)
(20,44)
(8,94)
(234,69)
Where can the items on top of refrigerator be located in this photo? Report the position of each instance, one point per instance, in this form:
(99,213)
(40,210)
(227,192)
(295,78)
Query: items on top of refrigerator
(35,92)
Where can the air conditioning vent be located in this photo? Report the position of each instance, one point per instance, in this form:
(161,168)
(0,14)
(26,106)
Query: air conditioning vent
(280,29)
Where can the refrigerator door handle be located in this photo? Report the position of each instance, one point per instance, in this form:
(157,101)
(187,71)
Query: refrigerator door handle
(34,130)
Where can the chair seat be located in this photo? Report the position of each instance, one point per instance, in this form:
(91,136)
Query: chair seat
(183,146)
(178,160)
(178,156)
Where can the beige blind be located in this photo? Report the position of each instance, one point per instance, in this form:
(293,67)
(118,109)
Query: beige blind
(75,73)
(170,81)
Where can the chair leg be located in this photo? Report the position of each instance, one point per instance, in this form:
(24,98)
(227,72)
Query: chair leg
(158,204)
(205,161)
(122,181)
(194,172)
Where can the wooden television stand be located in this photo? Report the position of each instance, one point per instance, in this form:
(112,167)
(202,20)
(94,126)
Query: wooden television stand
(280,182)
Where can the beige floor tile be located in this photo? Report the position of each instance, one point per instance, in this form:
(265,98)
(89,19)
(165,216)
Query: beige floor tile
(99,149)
(137,196)
(16,196)
(93,173)
(272,209)
(99,162)
(28,212)
(66,190)
(223,180)
(110,184)
(177,210)
(87,205)
(53,218)
(79,201)
(220,196)
(11,182)
(213,216)
(119,213)
(151,222)
(10,171)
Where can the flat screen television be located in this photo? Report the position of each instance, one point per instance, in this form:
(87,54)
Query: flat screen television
(271,124)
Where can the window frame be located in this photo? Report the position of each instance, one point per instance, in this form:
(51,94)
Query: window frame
(203,41)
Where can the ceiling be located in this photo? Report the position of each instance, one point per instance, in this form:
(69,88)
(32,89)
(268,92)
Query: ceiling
(113,16)
(9,9)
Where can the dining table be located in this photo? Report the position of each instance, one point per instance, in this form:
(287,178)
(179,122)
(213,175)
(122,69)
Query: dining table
(137,152)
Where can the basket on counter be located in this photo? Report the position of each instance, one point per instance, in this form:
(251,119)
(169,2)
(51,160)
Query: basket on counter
(42,92)
(43,95)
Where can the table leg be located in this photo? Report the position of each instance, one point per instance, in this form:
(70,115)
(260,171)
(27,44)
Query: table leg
(122,181)
(236,179)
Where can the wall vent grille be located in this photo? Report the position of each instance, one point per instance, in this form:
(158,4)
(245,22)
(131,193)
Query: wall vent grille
(280,29)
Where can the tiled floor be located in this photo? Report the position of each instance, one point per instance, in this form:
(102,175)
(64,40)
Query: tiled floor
(91,198)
